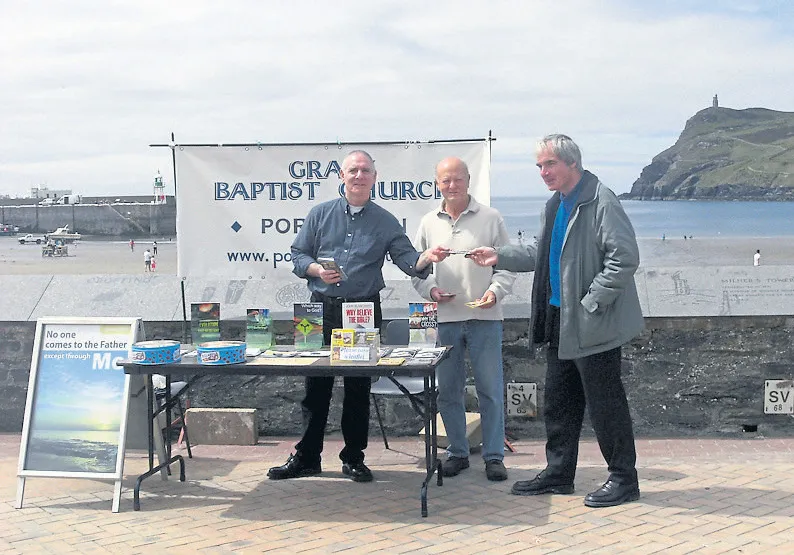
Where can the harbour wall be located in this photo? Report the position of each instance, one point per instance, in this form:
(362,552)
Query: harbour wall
(712,337)
(128,219)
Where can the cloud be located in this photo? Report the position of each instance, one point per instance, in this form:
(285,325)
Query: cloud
(87,87)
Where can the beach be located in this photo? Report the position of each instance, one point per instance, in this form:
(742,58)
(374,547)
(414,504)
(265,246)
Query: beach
(98,257)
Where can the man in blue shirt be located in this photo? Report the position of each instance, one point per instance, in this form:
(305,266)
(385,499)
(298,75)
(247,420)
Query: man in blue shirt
(357,234)
(585,307)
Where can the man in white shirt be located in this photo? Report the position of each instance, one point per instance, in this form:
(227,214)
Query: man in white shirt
(757,258)
(460,224)
(147,260)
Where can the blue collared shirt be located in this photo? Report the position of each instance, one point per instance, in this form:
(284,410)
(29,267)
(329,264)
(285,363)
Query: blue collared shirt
(359,244)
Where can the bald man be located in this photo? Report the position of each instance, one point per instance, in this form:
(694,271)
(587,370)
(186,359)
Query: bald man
(460,224)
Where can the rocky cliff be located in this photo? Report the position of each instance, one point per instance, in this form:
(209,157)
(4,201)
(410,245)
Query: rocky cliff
(725,154)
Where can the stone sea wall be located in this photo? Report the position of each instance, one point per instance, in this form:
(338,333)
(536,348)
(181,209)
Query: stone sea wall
(684,376)
(713,335)
(117,219)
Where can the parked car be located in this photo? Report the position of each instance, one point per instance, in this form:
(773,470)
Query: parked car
(30,238)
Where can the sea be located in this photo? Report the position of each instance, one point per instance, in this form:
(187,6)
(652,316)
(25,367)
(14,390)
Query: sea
(670,218)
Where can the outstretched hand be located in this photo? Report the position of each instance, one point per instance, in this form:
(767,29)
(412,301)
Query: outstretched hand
(483,256)
(434,255)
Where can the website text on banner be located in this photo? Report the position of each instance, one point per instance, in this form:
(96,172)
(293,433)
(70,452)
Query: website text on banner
(240,207)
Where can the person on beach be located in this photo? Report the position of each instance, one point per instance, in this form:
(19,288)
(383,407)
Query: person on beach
(132,245)
(757,258)
(585,307)
(358,234)
(147,260)
(154,248)
(462,223)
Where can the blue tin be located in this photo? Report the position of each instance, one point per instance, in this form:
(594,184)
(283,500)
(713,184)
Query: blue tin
(221,352)
(156,352)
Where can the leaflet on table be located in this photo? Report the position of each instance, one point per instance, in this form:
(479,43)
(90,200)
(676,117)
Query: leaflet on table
(391,361)
(270,353)
(423,324)
(418,356)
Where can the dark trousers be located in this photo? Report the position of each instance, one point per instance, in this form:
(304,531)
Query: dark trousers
(593,382)
(355,407)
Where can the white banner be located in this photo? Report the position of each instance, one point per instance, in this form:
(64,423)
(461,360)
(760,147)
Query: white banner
(239,208)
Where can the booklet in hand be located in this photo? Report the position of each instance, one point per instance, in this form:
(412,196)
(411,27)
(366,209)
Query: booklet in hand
(330,264)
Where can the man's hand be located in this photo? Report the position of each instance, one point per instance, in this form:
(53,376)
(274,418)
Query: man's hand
(487,300)
(483,256)
(328,276)
(436,254)
(441,296)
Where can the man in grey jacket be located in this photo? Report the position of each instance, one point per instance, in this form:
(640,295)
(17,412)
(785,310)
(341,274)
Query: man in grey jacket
(585,306)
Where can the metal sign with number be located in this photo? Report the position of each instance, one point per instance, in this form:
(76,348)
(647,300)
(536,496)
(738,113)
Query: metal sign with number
(778,397)
(522,399)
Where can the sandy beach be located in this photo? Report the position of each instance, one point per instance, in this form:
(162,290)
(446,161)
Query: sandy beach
(97,257)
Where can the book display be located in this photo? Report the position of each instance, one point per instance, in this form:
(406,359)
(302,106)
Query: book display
(308,320)
(423,324)
(355,346)
(258,328)
(205,321)
(358,315)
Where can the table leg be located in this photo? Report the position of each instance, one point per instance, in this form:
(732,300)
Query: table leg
(432,463)
(164,465)
(150,417)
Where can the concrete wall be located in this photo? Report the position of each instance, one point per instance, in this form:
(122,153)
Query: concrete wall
(713,336)
(127,219)
(684,376)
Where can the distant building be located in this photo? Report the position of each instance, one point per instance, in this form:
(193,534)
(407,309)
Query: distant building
(715,103)
(45,192)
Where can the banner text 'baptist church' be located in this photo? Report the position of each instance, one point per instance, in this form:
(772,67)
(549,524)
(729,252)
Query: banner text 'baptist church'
(312,173)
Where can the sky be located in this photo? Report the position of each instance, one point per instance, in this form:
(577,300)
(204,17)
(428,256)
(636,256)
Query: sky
(86,86)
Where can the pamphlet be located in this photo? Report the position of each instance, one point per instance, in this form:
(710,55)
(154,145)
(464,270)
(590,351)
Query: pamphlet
(308,320)
(355,346)
(205,322)
(258,328)
(423,324)
(330,264)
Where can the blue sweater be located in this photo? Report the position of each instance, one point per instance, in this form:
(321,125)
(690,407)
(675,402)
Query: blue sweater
(567,202)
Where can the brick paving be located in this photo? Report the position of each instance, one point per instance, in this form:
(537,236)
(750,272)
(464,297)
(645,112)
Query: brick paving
(698,496)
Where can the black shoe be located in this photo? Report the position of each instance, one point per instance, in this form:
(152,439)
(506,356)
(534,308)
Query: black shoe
(295,467)
(541,484)
(358,472)
(453,465)
(612,493)
(495,470)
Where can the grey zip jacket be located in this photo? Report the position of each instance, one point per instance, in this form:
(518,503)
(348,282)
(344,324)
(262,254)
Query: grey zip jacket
(599,306)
